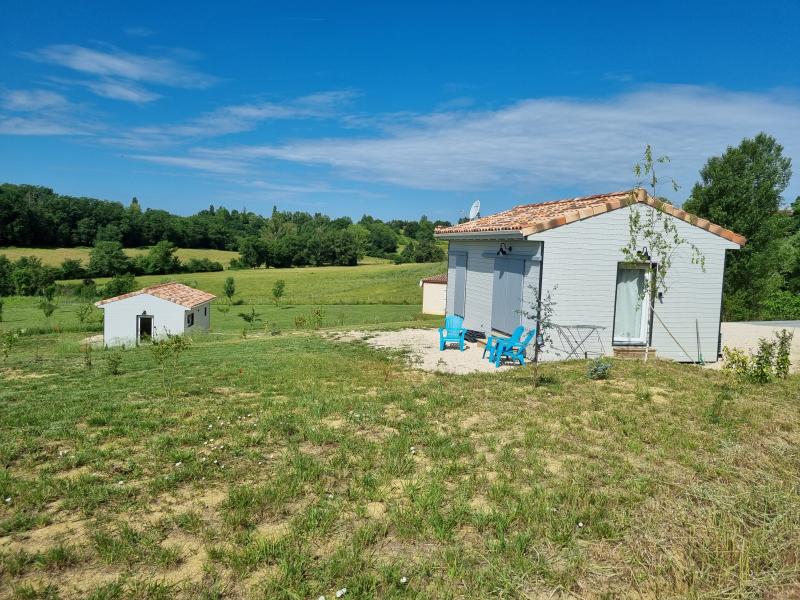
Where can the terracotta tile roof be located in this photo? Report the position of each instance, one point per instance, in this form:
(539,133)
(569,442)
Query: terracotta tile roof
(533,218)
(173,291)
(435,279)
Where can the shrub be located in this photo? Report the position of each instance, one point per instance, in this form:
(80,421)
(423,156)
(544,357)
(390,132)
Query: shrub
(599,368)
(2,302)
(113,361)
(770,360)
(8,339)
(278,290)
(71,268)
(300,321)
(229,288)
(783,349)
(317,316)
(251,317)
(202,265)
(120,284)
(84,311)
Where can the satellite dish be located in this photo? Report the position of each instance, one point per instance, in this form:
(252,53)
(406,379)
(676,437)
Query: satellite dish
(475,210)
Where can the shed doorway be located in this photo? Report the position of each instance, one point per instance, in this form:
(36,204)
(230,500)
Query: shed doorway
(507,293)
(144,326)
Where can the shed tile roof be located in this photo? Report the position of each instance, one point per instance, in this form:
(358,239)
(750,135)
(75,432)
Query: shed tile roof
(435,279)
(173,291)
(534,218)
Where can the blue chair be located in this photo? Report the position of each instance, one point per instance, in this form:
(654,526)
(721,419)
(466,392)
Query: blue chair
(453,332)
(493,340)
(513,350)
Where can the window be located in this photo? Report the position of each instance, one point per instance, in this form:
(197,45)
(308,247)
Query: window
(190,319)
(205,311)
(632,310)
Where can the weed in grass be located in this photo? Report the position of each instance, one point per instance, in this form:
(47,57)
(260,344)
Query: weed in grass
(167,354)
(86,353)
(30,591)
(715,411)
(129,546)
(642,393)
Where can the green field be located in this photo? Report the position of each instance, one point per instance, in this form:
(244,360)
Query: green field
(294,465)
(55,256)
(347,296)
(364,284)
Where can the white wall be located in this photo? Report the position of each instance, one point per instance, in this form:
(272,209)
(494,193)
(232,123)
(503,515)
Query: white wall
(480,278)
(119,318)
(434,298)
(581,259)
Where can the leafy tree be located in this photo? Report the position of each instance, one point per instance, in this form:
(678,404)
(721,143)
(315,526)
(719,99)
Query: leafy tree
(120,284)
(161,259)
(84,311)
(30,277)
(742,190)
(107,259)
(71,268)
(229,289)
(278,290)
(253,251)
(6,282)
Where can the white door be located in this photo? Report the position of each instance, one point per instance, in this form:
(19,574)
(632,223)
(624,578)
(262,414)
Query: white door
(632,308)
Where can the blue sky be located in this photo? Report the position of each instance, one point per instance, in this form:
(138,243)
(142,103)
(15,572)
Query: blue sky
(393,109)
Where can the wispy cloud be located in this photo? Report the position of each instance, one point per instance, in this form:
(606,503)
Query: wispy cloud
(235,119)
(541,143)
(210,165)
(31,100)
(13,125)
(40,112)
(122,75)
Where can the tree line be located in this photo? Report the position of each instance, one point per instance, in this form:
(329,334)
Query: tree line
(28,276)
(35,216)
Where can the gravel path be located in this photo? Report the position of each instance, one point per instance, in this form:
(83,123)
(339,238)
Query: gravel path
(422,346)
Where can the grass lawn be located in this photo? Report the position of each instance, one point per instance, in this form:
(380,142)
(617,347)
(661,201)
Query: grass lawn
(293,465)
(55,256)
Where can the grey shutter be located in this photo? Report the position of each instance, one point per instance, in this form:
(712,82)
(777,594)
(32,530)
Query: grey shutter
(507,294)
(460,285)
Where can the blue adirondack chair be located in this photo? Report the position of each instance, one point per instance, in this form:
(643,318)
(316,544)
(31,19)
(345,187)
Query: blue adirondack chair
(453,332)
(513,350)
(493,340)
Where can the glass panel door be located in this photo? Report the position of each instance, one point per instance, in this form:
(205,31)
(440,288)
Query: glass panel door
(631,309)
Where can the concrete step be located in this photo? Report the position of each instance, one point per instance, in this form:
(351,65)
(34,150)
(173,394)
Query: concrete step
(634,352)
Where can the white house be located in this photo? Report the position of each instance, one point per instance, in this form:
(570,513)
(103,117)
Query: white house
(572,249)
(154,312)
(434,294)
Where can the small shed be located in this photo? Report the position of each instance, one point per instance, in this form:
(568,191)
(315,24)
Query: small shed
(155,312)
(434,294)
(502,265)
